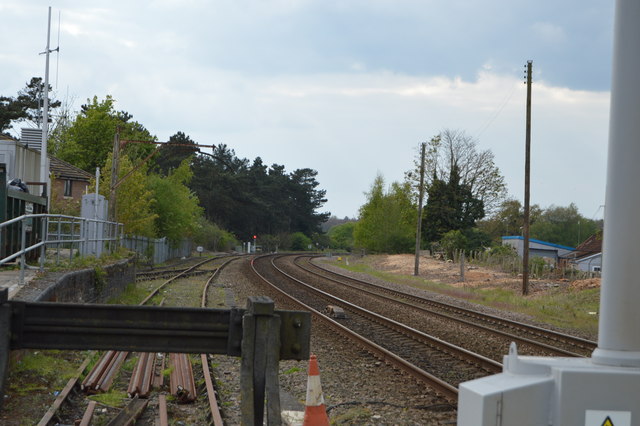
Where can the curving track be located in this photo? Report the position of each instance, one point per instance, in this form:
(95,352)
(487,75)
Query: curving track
(538,340)
(428,359)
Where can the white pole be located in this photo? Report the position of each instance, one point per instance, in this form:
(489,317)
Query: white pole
(95,213)
(619,340)
(44,175)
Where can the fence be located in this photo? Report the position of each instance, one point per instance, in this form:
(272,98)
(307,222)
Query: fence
(157,250)
(539,268)
(65,233)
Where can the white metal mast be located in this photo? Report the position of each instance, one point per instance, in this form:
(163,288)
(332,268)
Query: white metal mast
(44,172)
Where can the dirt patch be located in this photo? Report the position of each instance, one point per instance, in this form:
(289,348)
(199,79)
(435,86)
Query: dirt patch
(475,276)
(586,284)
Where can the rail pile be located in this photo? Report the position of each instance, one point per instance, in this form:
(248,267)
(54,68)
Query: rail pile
(142,376)
(181,381)
(103,373)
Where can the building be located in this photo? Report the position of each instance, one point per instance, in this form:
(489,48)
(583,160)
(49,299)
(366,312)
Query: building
(69,181)
(23,162)
(537,248)
(587,256)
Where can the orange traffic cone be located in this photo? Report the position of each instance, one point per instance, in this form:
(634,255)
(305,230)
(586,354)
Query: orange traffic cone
(315,413)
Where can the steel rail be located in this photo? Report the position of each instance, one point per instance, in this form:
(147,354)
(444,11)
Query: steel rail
(95,379)
(480,360)
(532,329)
(216,416)
(161,286)
(513,337)
(64,394)
(448,391)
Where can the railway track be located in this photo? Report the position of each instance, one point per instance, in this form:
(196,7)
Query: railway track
(146,381)
(426,358)
(548,342)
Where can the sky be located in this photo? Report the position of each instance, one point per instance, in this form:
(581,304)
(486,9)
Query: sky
(349,88)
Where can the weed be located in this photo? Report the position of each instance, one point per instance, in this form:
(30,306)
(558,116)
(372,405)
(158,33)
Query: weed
(293,370)
(116,399)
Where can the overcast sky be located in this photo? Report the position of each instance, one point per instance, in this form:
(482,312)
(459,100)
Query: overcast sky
(349,88)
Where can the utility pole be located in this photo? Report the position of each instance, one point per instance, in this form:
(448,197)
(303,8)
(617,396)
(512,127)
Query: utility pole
(527,167)
(416,270)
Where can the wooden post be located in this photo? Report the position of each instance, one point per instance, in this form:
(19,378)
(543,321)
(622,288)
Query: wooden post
(462,265)
(527,167)
(5,337)
(416,269)
(259,364)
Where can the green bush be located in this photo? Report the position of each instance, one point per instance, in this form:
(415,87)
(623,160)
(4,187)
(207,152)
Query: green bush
(300,242)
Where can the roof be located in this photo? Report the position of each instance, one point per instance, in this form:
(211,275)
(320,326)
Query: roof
(533,240)
(586,257)
(4,137)
(64,170)
(591,245)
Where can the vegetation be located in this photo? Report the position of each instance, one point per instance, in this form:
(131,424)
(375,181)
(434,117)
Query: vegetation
(176,206)
(555,224)
(476,170)
(251,199)
(88,139)
(341,236)
(564,308)
(26,106)
(387,219)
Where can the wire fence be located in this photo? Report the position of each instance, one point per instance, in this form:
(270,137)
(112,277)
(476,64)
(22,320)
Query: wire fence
(539,267)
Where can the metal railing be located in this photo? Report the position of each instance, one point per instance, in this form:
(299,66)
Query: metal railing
(85,236)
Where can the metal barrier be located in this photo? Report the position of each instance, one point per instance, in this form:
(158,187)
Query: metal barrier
(260,335)
(87,236)
(158,250)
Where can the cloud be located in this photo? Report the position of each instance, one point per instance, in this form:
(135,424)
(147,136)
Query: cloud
(549,33)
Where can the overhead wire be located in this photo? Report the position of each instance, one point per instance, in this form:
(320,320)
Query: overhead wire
(497,112)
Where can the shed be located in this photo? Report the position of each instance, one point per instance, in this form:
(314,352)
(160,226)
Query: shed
(538,248)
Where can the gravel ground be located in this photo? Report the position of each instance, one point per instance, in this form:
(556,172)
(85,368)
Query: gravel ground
(358,389)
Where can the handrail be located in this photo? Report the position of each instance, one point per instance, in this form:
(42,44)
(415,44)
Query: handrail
(80,233)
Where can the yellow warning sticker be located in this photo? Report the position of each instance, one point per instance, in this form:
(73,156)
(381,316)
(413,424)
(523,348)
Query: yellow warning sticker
(607,418)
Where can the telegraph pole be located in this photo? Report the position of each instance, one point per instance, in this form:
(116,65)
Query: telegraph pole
(416,270)
(527,167)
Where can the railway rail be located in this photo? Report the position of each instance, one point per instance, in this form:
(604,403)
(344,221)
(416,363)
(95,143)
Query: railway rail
(146,375)
(549,341)
(426,358)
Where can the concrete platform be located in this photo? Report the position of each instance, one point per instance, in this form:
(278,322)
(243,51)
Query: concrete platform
(10,278)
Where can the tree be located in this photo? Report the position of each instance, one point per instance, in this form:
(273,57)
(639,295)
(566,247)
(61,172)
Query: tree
(175,151)
(451,206)
(212,237)
(300,242)
(341,236)
(26,106)
(176,207)
(251,198)
(563,225)
(476,168)
(89,138)
(508,219)
(387,219)
(134,199)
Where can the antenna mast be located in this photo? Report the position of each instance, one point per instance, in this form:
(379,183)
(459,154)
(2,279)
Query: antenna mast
(44,173)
